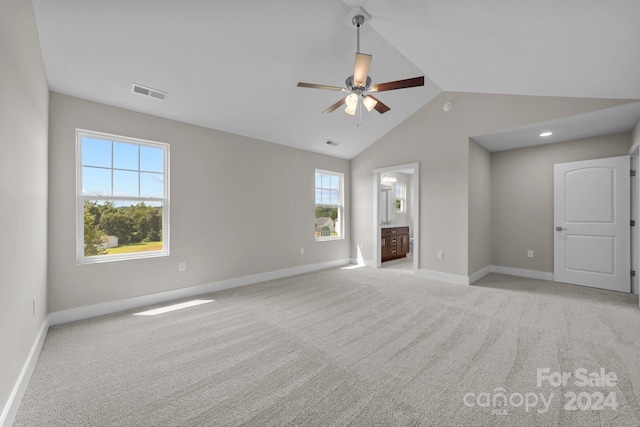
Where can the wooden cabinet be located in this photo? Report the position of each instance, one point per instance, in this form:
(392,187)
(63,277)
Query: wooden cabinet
(395,243)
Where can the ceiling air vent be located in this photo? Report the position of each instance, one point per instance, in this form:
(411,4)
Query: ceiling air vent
(147,91)
(332,143)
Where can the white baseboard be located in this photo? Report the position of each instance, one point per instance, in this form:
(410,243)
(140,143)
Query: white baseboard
(86,312)
(463,280)
(520,272)
(479,274)
(11,408)
(443,277)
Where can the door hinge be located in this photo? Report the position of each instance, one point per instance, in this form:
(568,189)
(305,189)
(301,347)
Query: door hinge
(633,273)
(633,223)
(633,173)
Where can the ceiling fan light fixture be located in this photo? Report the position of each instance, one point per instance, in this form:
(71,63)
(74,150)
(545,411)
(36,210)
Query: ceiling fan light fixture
(369,102)
(359,83)
(351,109)
(351,100)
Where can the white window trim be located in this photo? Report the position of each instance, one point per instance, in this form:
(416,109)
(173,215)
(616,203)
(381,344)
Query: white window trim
(81,198)
(340,205)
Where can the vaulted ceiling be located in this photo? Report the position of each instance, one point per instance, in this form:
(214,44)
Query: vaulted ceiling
(233,65)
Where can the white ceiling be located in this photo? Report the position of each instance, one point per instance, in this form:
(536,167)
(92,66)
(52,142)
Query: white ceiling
(234,65)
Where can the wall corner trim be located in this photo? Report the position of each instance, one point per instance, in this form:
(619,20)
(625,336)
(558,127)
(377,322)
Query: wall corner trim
(463,280)
(480,274)
(11,408)
(520,272)
(87,312)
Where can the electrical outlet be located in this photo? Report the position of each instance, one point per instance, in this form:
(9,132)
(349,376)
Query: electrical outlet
(182,266)
(34,306)
(301,251)
(440,255)
(530,253)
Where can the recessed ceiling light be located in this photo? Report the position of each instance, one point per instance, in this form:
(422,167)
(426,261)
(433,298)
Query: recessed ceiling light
(546,134)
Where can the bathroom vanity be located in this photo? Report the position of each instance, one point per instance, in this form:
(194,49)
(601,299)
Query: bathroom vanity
(394,242)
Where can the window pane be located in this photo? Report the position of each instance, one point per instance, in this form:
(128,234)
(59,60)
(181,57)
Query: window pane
(318,197)
(96,152)
(120,227)
(151,184)
(318,180)
(96,181)
(326,221)
(334,197)
(125,183)
(335,182)
(326,196)
(326,181)
(125,156)
(151,159)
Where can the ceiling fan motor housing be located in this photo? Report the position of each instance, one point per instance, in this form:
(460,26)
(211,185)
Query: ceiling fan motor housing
(357,89)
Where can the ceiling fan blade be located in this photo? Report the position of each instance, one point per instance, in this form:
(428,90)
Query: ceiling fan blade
(325,87)
(379,107)
(361,69)
(398,84)
(335,106)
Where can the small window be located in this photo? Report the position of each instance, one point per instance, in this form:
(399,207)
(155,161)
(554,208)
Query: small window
(122,197)
(329,205)
(401,197)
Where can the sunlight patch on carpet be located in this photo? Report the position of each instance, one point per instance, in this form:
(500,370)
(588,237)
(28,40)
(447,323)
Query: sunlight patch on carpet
(173,307)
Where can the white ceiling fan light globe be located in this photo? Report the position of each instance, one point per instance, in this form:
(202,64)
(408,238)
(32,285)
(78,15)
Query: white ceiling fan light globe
(369,102)
(351,100)
(351,109)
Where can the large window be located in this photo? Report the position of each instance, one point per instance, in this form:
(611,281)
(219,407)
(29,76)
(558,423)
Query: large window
(329,205)
(122,197)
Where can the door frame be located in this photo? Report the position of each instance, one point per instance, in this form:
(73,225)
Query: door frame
(634,152)
(414,169)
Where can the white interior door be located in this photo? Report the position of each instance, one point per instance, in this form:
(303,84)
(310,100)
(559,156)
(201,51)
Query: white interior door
(592,223)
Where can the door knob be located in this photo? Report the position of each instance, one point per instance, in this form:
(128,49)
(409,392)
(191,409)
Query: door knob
(560,228)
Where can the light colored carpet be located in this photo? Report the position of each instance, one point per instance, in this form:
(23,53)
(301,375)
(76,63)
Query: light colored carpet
(346,347)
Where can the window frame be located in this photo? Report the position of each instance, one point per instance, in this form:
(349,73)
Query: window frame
(81,198)
(340,205)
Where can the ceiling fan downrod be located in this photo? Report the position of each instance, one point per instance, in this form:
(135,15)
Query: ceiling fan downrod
(358,20)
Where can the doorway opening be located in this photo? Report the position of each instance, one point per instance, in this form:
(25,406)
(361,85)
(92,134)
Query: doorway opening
(396,217)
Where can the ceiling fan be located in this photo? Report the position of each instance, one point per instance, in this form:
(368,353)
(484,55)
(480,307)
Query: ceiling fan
(359,84)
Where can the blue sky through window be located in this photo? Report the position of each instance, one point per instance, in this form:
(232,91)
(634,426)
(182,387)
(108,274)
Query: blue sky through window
(327,189)
(113,168)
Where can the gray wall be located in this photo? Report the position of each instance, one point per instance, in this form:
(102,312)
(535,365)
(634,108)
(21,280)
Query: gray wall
(24,100)
(439,141)
(239,206)
(522,197)
(479,207)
